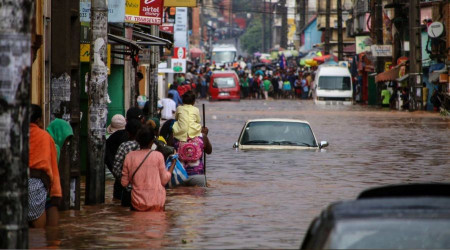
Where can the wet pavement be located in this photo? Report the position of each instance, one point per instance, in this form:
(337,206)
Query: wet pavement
(266,199)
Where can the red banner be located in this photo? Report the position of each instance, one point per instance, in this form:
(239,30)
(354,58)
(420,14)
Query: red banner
(150,12)
(166,28)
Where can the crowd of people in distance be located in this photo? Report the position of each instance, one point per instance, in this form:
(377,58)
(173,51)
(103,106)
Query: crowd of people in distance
(289,83)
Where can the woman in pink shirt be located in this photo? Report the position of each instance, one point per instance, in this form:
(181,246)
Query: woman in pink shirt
(148,193)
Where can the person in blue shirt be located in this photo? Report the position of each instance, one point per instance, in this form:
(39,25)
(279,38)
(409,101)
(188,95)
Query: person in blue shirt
(176,96)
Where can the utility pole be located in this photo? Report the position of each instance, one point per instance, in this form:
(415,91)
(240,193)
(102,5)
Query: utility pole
(15,41)
(130,70)
(98,103)
(378,30)
(270,24)
(301,9)
(327,27)
(65,90)
(202,23)
(264,27)
(230,27)
(153,74)
(284,26)
(415,57)
(340,35)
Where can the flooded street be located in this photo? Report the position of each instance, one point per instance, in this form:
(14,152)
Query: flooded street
(266,199)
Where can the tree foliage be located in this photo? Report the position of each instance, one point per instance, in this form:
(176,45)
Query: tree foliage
(251,40)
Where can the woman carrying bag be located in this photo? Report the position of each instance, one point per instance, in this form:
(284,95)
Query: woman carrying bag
(145,170)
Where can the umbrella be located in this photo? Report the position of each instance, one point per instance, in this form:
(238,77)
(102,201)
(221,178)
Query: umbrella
(322,59)
(195,52)
(257,54)
(259,72)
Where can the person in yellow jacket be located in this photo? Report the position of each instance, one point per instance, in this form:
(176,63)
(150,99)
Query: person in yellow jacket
(188,119)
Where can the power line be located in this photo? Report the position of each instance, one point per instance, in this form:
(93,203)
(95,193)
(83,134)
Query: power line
(293,12)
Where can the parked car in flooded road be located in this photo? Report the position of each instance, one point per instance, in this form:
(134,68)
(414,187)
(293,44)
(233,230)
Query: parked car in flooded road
(414,216)
(278,134)
(224,85)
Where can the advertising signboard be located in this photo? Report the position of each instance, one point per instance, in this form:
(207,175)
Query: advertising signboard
(144,11)
(180,30)
(381,50)
(179,65)
(180,3)
(167,27)
(179,53)
(116,11)
(363,44)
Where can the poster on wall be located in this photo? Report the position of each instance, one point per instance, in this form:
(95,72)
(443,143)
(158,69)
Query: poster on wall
(144,11)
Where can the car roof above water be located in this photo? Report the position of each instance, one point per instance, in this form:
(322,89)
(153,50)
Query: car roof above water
(277,120)
(407,198)
(328,70)
(225,72)
(418,207)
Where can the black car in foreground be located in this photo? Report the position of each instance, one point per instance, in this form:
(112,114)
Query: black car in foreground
(413,216)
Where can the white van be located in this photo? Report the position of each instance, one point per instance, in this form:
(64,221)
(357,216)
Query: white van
(223,54)
(333,85)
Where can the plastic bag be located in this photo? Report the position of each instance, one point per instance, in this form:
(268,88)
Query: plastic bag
(179,174)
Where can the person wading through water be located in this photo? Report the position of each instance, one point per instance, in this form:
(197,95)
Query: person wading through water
(145,170)
(44,181)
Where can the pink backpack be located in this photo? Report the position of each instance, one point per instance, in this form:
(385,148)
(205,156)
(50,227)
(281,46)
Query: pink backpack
(190,150)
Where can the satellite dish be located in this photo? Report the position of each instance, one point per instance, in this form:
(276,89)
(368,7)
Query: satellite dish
(435,29)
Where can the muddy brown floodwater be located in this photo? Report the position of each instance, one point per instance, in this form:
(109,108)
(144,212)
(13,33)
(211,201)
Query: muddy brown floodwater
(266,199)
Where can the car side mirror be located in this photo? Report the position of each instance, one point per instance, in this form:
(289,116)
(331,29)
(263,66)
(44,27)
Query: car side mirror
(236,145)
(323,144)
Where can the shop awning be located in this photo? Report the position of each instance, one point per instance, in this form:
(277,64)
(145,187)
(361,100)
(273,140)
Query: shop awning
(390,75)
(162,34)
(149,40)
(113,39)
(434,76)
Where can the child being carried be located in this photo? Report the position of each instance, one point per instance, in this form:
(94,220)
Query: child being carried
(187,129)
(188,119)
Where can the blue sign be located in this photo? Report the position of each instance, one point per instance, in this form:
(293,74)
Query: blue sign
(116,11)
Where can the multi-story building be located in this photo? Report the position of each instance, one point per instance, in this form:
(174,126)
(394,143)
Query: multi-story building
(310,12)
(321,22)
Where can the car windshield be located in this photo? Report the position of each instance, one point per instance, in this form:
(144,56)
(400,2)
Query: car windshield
(334,83)
(223,56)
(278,133)
(224,82)
(390,234)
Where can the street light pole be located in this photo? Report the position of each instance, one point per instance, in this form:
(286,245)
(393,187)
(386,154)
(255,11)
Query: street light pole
(15,41)
(98,103)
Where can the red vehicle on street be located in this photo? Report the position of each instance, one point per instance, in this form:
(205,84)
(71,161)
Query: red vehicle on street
(224,85)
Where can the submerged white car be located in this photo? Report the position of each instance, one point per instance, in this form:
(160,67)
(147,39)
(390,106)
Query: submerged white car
(278,134)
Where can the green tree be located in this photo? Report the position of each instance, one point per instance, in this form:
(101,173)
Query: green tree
(251,40)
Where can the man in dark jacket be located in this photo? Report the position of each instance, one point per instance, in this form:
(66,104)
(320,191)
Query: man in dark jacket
(113,143)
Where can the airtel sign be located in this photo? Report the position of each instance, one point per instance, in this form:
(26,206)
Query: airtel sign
(153,9)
